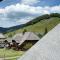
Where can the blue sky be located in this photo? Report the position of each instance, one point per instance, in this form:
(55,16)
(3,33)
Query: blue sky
(16,12)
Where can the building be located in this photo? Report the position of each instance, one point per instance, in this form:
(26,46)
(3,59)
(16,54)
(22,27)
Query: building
(26,40)
(9,40)
(2,38)
(18,37)
(48,48)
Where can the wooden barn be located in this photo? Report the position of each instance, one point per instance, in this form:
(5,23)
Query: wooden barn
(26,40)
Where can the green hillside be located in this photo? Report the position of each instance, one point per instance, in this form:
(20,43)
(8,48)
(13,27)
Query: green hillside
(39,27)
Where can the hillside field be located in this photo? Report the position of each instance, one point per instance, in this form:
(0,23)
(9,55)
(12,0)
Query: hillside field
(39,27)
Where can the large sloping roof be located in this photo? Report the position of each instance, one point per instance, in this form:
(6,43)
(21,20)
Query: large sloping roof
(2,36)
(48,48)
(26,36)
(18,37)
(9,39)
(29,36)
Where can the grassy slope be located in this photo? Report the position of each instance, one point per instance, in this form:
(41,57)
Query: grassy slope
(10,53)
(40,26)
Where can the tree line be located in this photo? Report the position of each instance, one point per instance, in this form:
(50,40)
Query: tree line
(46,16)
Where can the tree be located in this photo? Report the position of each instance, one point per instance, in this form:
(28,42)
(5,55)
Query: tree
(45,31)
(54,15)
(40,35)
(10,35)
(24,31)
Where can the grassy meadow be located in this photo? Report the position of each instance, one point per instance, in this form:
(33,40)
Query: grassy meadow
(10,54)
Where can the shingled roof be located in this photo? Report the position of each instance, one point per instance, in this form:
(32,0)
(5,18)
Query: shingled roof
(26,36)
(48,48)
(18,37)
(29,36)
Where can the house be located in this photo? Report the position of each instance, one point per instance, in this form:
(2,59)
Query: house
(26,40)
(9,39)
(17,37)
(48,48)
(2,38)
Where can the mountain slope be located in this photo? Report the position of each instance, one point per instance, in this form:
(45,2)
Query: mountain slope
(39,27)
(32,22)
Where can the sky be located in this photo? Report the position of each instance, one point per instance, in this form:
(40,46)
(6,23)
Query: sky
(16,12)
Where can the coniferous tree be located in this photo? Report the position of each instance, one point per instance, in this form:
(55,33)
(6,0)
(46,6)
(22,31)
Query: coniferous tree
(45,31)
(24,31)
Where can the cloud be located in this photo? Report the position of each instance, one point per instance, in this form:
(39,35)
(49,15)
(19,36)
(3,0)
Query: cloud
(21,13)
(55,9)
(29,2)
(2,10)
(32,10)
(22,8)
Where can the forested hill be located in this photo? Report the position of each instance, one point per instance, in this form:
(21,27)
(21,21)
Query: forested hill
(36,25)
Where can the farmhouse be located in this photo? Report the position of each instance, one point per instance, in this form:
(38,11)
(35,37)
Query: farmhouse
(2,39)
(9,40)
(26,40)
(48,48)
(18,37)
